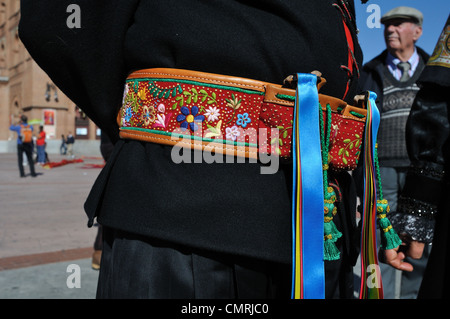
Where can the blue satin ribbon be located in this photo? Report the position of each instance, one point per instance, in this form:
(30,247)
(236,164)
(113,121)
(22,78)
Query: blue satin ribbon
(306,124)
(375,118)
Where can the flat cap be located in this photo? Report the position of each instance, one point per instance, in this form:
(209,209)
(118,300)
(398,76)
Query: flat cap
(403,13)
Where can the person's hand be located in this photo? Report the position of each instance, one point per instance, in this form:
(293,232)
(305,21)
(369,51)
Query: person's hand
(414,248)
(395,258)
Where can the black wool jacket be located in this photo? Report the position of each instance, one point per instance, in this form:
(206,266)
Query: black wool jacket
(228,208)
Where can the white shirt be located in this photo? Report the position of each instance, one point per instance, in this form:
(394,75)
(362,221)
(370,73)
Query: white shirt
(392,63)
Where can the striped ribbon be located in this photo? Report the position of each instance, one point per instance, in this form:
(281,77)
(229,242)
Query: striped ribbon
(308,278)
(371,286)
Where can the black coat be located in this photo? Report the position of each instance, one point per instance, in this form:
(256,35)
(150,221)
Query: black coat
(371,74)
(423,209)
(229,208)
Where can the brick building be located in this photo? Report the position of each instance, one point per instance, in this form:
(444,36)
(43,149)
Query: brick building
(26,89)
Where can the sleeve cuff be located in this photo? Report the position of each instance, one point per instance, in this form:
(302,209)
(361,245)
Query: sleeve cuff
(414,218)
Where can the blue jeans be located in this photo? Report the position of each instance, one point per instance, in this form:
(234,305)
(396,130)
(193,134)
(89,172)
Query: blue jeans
(40,153)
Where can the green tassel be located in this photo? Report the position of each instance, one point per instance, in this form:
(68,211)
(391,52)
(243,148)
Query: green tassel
(383,206)
(390,240)
(384,223)
(334,231)
(330,210)
(326,228)
(329,228)
(330,251)
(389,237)
(331,233)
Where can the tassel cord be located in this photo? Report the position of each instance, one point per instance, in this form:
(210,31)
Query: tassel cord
(331,233)
(325,142)
(389,238)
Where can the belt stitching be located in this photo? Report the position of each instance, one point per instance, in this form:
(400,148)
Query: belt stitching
(202,79)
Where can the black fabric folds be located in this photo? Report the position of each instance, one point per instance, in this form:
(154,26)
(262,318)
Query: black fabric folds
(229,208)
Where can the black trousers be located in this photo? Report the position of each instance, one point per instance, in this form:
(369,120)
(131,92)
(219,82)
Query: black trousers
(26,148)
(136,267)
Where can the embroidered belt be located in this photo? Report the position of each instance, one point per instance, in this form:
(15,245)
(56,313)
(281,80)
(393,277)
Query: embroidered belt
(229,115)
(232,116)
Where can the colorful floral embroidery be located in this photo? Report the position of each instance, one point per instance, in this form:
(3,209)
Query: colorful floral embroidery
(148,114)
(282,134)
(193,96)
(214,131)
(212,113)
(232,133)
(344,152)
(142,95)
(188,118)
(161,108)
(162,120)
(131,99)
(165,93)
(160,105)
(125,93)
(128,114)
(243,119)
(234,104)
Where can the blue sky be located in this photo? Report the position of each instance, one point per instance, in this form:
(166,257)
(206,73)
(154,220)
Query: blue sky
(371,39)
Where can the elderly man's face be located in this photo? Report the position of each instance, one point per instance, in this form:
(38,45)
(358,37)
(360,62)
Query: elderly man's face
(401,34)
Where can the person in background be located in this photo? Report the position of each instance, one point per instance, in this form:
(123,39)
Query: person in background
(392,75)
(24,144)
(40,146)
(63,147)
(423,213)
(69,142)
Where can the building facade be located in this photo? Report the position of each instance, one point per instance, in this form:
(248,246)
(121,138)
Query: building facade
(26,89)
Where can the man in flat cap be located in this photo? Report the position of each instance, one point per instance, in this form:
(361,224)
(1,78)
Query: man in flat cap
(392,75)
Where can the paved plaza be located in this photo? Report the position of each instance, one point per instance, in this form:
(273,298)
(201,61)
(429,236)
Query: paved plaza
(45,244)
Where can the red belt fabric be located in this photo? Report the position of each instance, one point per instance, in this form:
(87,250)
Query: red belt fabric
(229,115)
